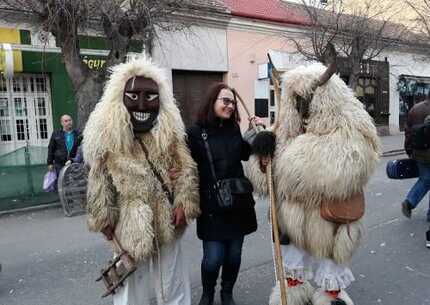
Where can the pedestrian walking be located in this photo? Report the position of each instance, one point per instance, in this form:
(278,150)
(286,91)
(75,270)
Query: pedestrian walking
(218,148)
(63,144)
(418,117)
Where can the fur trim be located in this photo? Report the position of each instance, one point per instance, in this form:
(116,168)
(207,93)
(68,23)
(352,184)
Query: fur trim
(291,221)
(186,185)
(346,242)
(101,199)
(257,177)
(109,128)
(133,232)
(299,295)
(321,298)
(319,234)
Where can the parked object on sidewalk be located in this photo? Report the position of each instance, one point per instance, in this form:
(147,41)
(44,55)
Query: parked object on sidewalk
(72,188)
(402,169)
(118,270)
(49,181)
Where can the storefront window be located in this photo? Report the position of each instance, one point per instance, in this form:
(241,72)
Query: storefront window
(412,90)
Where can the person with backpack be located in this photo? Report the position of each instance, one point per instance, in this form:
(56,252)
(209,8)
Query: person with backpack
(417,146)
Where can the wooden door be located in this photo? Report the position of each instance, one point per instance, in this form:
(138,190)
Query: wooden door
(190,89)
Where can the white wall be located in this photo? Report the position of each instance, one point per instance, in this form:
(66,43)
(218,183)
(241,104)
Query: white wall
(402,63)
(197,48)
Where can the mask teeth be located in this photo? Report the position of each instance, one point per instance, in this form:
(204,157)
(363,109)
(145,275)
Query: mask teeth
(141,116)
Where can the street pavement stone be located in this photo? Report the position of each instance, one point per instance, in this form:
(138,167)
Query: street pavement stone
(49,259)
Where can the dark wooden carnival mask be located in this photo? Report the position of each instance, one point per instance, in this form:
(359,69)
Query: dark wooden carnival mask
(142,100)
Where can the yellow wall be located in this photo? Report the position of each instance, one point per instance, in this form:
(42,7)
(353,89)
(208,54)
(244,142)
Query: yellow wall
(11,36)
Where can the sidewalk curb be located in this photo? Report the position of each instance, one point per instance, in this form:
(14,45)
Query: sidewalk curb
(31,209)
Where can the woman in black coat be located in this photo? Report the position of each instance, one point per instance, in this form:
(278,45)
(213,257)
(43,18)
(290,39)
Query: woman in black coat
(221,231)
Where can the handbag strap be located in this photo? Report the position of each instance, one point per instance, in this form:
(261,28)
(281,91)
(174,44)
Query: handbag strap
(157,174)
(209,154)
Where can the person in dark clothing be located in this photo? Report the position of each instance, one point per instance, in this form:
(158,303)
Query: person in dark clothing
(63,144)
(222,232)
(419,114)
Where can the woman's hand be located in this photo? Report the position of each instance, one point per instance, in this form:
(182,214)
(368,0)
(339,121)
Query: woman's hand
(257,120)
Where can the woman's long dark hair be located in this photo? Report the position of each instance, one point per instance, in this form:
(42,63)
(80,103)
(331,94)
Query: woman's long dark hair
(206,115)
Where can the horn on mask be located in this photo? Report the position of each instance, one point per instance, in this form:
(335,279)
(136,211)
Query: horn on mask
(330,60)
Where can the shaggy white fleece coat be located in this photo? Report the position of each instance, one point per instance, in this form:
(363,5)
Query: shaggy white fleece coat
(122,190)
(333,159)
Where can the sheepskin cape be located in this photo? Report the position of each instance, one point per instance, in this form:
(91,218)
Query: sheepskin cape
(123,191)
(333,159)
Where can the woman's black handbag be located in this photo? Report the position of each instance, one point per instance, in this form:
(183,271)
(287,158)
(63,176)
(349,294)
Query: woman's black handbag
(402,169)
(226,189)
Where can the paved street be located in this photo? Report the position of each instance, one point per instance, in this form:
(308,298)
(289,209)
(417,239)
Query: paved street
(52,260)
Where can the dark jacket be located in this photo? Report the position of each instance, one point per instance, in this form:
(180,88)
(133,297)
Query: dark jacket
(57,150)
(417,115)
(228,150)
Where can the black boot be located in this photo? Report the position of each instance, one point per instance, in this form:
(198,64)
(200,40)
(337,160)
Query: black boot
(227,298)
(207,298)
(338,302)
(227,289)
(228,277)
(208,282)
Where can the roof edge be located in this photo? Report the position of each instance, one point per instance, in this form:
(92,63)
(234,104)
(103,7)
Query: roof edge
(259,17)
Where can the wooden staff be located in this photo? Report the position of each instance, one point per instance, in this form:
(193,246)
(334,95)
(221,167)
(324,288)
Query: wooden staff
(274,217)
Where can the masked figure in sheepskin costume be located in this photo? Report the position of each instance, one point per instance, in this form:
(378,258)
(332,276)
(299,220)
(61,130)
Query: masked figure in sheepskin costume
(326,149)
(134,135)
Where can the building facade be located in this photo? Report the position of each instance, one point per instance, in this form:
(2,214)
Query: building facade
(388,86)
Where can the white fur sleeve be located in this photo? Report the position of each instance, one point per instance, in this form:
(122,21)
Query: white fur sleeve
(257,177)
(336,165)
(186,186)
(101,198)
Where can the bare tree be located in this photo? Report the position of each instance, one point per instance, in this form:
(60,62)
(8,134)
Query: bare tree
(421,9)
(360,32)
(119,21)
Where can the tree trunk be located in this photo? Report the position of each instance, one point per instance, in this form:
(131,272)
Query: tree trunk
(87,97)
(354,60)
(354,76)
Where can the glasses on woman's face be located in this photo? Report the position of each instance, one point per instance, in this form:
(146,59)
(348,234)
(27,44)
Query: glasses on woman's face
(227,101)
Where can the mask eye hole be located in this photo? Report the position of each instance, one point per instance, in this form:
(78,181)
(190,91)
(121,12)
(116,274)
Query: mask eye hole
(151,96)
(132,96)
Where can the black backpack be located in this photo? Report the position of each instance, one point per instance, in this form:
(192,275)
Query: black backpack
(420,136)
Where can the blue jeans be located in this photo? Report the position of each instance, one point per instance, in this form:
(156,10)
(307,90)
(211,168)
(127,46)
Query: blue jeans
(216,254)
(421,187)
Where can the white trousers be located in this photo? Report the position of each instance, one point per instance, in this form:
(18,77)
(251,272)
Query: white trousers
(299,264)
(144,284)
